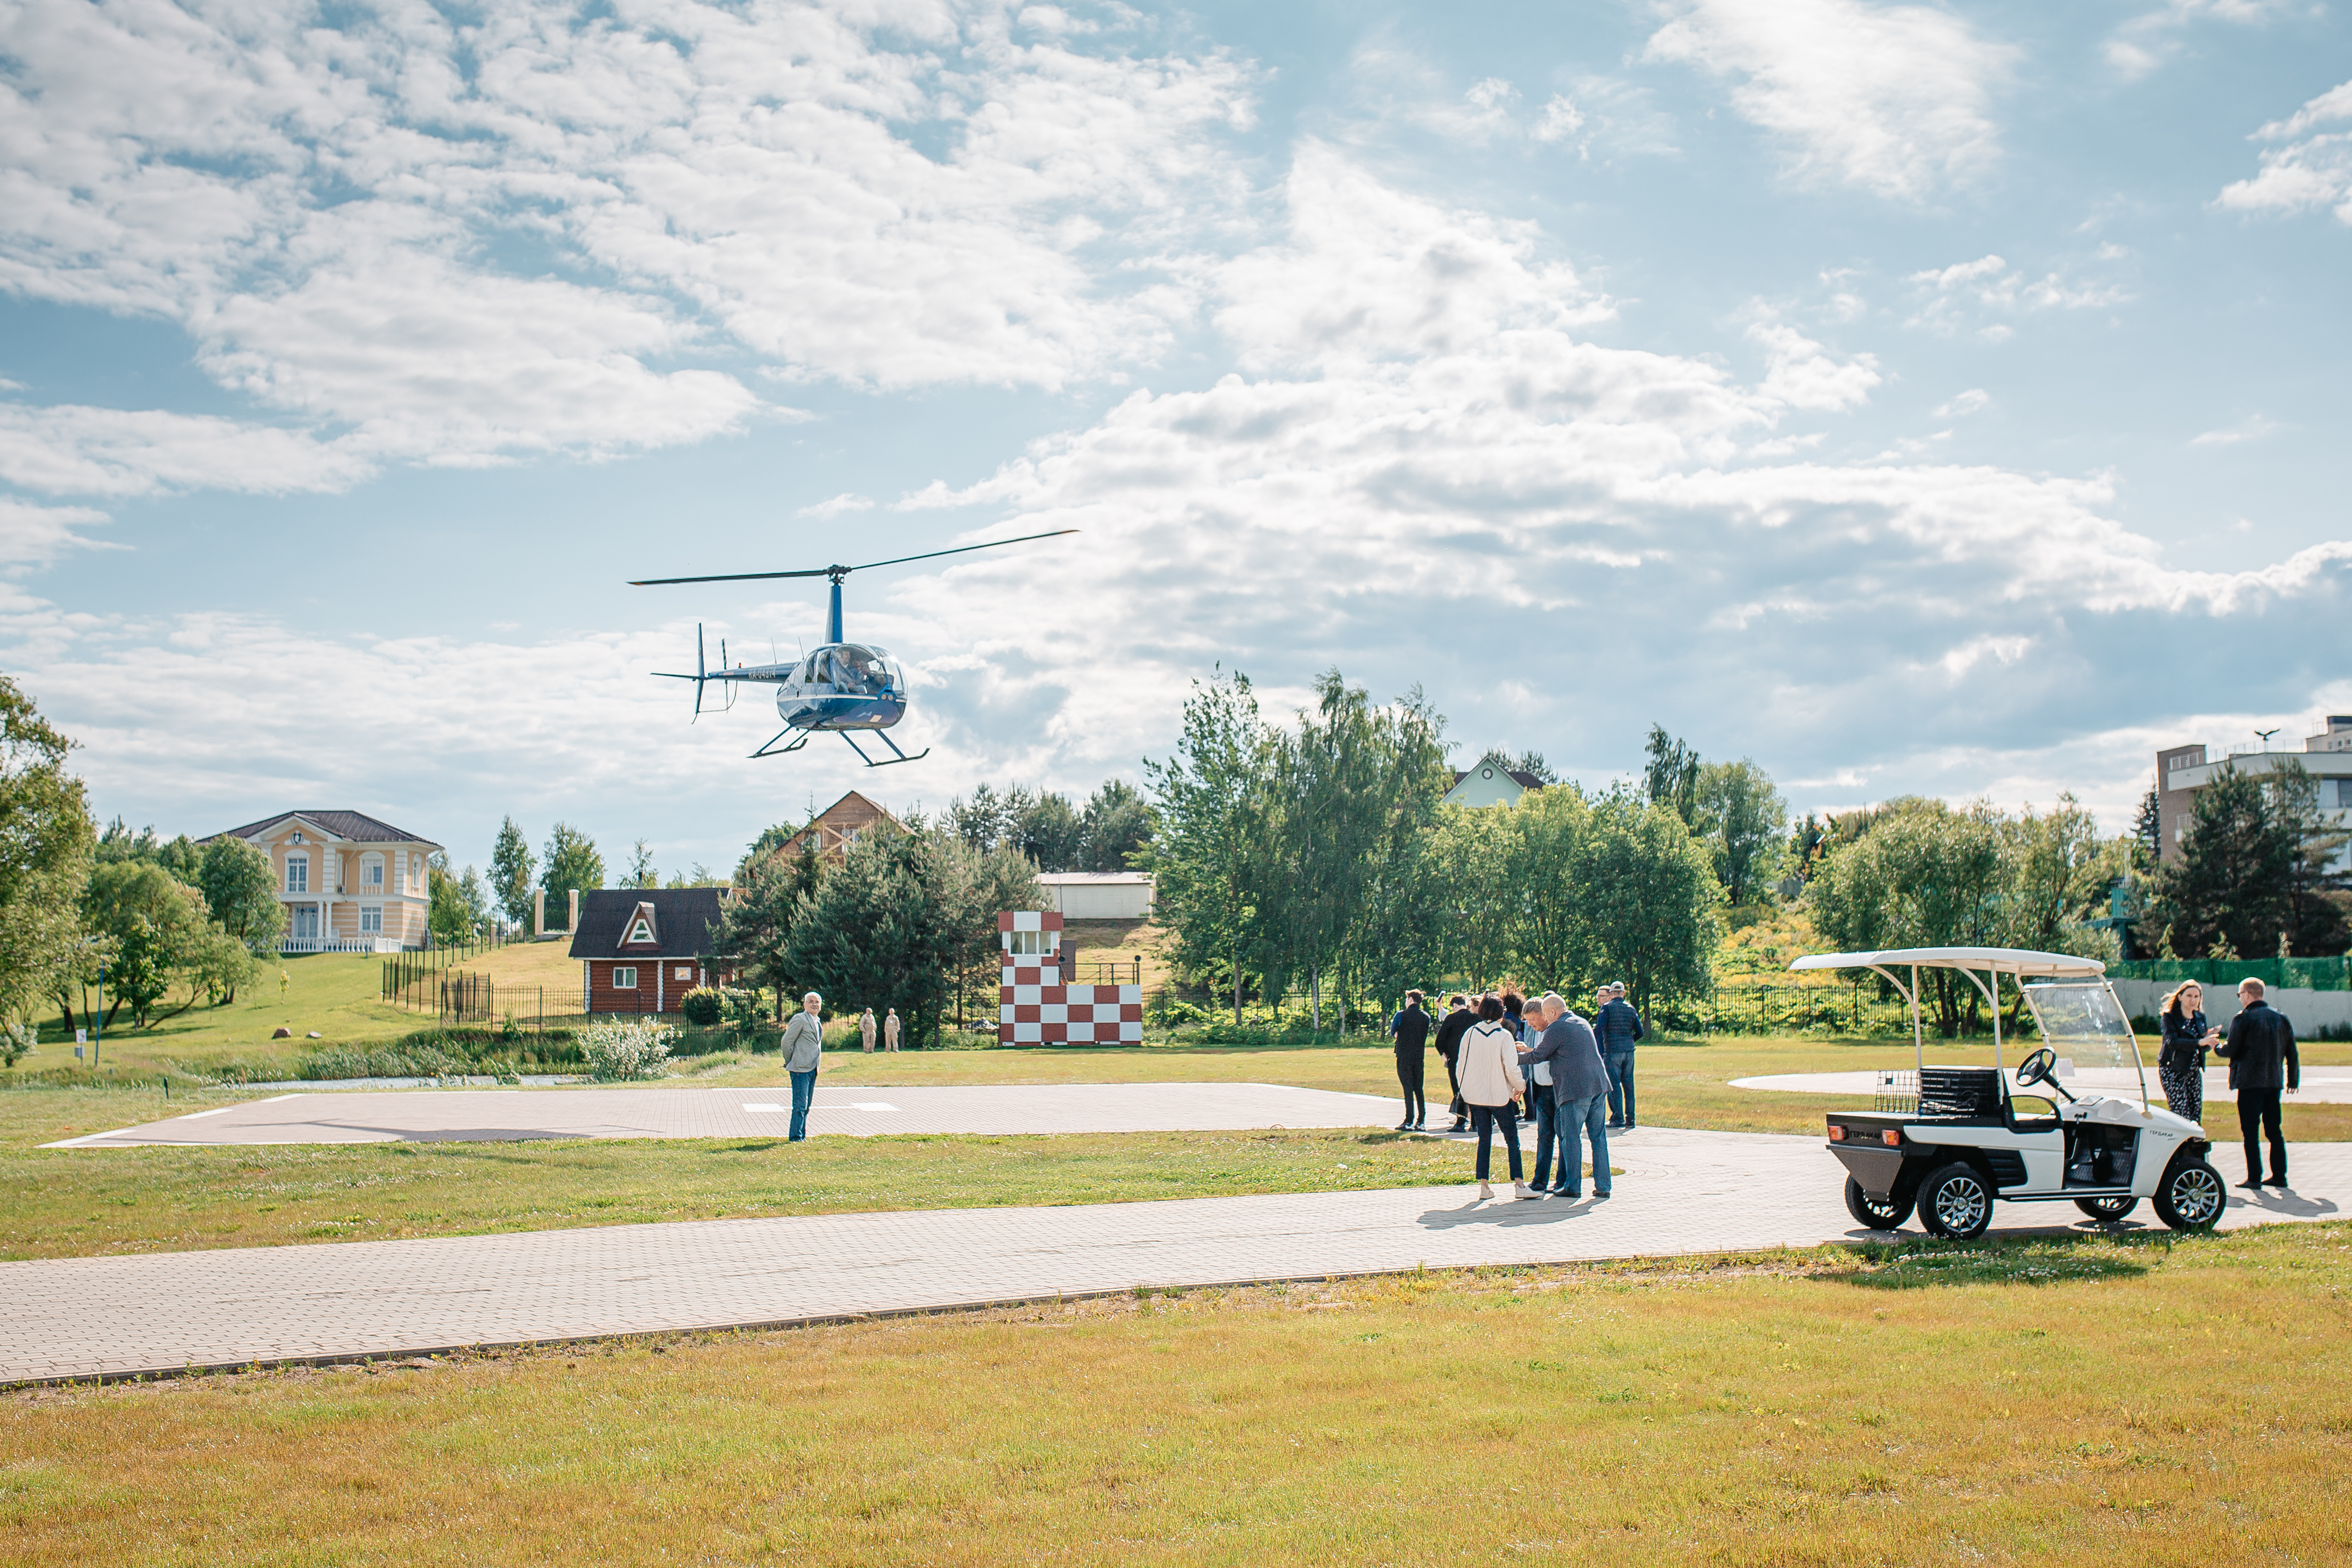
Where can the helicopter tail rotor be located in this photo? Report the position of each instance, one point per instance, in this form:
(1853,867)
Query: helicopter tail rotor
(701,673)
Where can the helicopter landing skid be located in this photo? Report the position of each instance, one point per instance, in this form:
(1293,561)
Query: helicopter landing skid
(771,750)
(887,761)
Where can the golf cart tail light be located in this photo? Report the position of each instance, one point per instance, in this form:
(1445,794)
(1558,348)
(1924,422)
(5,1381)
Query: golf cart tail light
(1891,1138)
(1837,1134)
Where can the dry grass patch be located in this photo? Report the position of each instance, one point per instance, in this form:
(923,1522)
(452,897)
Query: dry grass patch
(2044,1401)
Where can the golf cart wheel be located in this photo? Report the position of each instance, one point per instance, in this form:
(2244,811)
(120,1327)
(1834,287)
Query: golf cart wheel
(2107,1210)
(1955,1202)
(2191,1196)
(1874,1213)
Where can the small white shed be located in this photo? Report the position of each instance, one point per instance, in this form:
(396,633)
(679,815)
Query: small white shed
(1098,894)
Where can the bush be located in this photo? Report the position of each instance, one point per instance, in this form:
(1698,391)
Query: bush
(703,1005)
(16,1043)
(379,1061)
(625,1049)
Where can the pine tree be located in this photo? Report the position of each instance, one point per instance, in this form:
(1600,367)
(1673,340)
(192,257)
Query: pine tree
(511,869)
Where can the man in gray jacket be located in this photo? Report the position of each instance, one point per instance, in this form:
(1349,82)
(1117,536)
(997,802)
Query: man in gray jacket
(804,1045)
(1579,1091)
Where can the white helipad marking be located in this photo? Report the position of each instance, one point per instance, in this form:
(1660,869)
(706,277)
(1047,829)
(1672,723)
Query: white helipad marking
(217,1111)
(763,1107)
(870,1105)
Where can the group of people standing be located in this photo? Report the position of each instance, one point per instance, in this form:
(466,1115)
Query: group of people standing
(1573,1075)
(2259,1046)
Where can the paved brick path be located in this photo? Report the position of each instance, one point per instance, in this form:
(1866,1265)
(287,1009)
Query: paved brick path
(478,1115)
(1683,1192)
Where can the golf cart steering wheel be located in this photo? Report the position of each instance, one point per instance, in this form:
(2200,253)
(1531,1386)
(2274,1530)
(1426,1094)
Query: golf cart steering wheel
(2041,1067)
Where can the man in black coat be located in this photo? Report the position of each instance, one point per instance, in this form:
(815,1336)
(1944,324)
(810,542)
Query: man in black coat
(1410,1029)
(1449,1046)
(2263,1061)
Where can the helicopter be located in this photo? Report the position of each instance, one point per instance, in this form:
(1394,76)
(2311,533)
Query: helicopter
(840,688)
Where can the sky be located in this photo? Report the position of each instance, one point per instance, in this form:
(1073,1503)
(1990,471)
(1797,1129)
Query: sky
(1911,398)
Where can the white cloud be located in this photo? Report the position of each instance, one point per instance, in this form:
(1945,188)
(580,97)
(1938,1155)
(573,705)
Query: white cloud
(1893,98)
(2313,170)
(2253,427)
(1390,489)
(2147,41)
(1964,293)
(1559,120)
(1964,404)
(847,501)
(454,237)
(1804,375)
(69,449)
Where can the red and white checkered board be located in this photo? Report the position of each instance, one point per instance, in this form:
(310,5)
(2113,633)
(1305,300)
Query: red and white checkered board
(1076,1015)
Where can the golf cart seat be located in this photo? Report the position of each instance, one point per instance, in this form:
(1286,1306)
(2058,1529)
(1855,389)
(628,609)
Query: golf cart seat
(1969,1095)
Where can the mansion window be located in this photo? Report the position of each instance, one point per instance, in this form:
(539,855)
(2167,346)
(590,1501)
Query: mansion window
(298,873)
(372,875)
(625,976)
(371,919)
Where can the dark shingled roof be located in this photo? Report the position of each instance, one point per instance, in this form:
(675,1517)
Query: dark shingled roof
(355,826)
(686,922)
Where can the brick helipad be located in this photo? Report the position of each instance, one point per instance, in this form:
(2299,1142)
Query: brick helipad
(1681,1192)
(500,1114)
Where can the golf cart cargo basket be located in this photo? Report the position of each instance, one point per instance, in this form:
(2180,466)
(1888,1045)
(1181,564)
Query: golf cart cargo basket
(1898,1090)
(1960,1094)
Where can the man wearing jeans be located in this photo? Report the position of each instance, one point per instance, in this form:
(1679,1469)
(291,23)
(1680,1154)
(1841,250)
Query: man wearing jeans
(804,1044)
(1581,1095)
(1618,1026)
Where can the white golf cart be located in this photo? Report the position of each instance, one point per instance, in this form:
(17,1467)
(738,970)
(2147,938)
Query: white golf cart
(1949,1140)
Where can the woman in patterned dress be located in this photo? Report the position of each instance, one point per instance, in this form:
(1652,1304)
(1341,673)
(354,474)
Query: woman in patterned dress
(2180,1065)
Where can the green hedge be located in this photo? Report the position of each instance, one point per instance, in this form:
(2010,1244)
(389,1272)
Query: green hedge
(2293,974)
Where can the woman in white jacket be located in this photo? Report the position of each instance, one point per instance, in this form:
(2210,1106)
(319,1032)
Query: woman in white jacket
(1491,1083)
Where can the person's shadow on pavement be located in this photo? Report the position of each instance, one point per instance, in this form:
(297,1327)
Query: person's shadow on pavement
(1515,1213)
(2283,1201)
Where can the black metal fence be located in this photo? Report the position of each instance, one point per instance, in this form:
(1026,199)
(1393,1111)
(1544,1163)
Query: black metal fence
(465,997)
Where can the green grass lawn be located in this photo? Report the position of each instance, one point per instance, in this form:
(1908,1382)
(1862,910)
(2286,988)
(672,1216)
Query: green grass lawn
(2054,1401)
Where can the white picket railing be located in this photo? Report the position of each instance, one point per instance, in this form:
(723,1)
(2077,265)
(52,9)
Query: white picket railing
(340,945)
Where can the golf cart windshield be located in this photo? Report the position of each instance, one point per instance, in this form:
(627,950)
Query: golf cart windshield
(2082,1021)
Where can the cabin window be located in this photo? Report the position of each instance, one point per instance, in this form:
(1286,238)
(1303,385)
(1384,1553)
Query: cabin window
(371,919)
(683,972)
(642,931)
(1030,943)
(298,873)
(625,976)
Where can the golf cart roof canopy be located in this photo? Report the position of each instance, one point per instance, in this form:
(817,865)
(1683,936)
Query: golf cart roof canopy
(2018,961)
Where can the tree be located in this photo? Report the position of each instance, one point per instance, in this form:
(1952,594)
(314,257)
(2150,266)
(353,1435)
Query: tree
(1742,818)
(979,884)
(641,867)
(882,930)
(755,927)
(178,856)
(2252,866)
(46,838)
(2056,871)
(2148,833)
(1049,831)
(572,864)
(240,889)
(1671,778)
(1652,895)
(1479,895)
(457,906)
(1117,824)
(1211,803)
(511,869)
(153,927)
(1924,875)
(1553,933)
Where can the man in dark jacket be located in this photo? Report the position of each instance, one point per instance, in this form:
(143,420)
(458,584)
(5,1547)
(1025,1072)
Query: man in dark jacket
(1618,1026)
(1449,1046)
(2260,1051)
(1410,1029)
(1579,1096)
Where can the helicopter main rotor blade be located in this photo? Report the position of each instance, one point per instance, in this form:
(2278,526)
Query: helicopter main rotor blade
(990,544)
(844,570)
